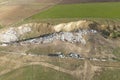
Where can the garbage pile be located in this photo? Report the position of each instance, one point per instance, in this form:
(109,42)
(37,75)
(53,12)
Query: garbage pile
(72,37)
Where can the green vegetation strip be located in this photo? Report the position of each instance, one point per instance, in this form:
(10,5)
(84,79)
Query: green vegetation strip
(36,72)
(116,51)
(82,10)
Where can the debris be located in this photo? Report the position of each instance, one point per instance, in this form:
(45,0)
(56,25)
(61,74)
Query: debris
(72,37)
(58,54)
(74,55)
(4,45)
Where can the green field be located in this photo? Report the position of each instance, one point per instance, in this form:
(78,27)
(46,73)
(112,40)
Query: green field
(82,10)
(36,73)
(116,52)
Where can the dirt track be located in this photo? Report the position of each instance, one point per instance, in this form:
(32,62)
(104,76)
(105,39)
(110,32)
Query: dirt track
(39,63)
(12,61)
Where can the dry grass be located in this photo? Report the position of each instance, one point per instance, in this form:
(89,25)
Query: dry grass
(17,10)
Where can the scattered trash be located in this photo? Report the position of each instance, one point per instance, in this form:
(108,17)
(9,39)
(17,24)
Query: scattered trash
(72,37)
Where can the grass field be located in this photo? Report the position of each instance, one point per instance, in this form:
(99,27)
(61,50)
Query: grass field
(82,10)
(109,74)
(36,73)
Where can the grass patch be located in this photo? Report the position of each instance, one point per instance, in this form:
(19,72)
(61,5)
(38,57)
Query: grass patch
(69,64)
(109,74)
(116,51)
(36,72)
(1,26)
(87,10)
(45,50)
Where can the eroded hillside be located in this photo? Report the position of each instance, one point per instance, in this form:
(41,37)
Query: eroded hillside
(87,37)
(32,30)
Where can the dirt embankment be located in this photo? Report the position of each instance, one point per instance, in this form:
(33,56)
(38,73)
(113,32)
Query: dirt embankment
(85,37)
(32,30)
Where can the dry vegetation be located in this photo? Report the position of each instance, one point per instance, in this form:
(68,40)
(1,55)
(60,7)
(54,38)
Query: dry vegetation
(16,10)
(84,70)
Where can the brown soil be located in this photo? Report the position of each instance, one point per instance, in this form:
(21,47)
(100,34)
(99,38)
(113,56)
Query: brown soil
(18,10)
